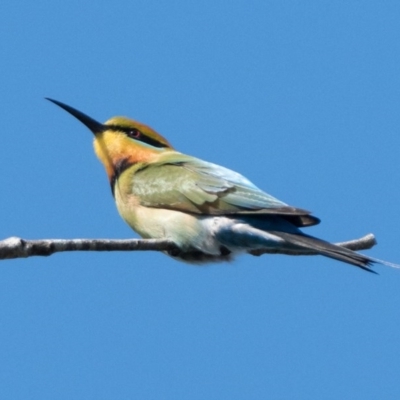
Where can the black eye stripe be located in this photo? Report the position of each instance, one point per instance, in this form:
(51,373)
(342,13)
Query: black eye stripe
(137,135)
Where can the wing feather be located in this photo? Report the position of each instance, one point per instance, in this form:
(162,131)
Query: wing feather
(191,185)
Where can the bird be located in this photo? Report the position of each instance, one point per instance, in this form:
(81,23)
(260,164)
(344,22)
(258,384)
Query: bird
(210,212)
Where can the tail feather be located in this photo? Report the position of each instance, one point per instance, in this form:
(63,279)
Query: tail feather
(329,250)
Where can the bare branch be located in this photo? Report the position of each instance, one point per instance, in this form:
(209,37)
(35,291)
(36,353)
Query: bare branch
(15,247)
(364,243)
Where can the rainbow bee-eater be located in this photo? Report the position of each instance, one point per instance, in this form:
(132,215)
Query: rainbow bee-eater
(210,212)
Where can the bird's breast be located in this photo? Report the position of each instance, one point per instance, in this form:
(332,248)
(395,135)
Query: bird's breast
(154,222)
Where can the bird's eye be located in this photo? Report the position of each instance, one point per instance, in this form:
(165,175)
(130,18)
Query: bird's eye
(134,133)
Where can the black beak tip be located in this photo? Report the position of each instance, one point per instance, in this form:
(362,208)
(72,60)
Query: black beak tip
(53,101)
(93,125)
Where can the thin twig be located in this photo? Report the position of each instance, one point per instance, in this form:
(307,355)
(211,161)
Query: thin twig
(15,247)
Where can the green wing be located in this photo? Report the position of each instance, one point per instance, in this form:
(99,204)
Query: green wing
(191,185)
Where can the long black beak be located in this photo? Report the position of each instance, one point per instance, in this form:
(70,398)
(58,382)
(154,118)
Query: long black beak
(93,125)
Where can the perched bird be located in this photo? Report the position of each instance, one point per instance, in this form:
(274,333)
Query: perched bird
(210,212)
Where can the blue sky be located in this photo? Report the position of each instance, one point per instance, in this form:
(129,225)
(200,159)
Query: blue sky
(303,98)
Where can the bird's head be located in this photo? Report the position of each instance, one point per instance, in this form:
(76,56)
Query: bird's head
(120,141)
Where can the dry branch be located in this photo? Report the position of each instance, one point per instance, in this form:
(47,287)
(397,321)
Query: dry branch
(15,247)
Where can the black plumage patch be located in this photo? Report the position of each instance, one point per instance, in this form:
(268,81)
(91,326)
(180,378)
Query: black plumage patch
(119,168)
